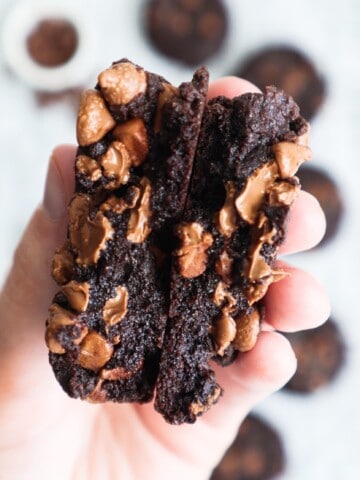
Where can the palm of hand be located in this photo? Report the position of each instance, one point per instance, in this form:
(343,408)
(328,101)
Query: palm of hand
(46,435)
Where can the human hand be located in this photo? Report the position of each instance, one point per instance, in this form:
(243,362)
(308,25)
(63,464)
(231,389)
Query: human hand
(46,435)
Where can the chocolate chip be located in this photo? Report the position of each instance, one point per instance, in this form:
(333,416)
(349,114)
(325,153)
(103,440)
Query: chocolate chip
(289,69)
(122,82)
(319,183)
(52,42)
(192,257)
(189,31)
(94,119)
(320,354)
(256,453)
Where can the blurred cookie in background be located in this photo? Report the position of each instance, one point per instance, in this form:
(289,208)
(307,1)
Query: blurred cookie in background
(51,46)
(257,453)
(190,31)
(319,183)
(289,69)
(70,97)
(52,42)
(320,353)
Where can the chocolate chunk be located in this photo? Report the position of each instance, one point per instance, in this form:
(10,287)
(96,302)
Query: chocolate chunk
(290,70)
(257,453)
(320,183)
(320,353)
(53,42)
(187,30)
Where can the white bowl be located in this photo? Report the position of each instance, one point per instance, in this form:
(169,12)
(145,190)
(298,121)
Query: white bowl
(21,20)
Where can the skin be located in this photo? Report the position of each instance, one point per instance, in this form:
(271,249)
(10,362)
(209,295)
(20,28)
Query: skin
(45,434)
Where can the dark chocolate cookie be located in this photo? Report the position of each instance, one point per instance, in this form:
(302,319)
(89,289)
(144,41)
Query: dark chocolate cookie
(242,186)
(290,70)
(187,30)
(257,453)
(320,353)
(137,136)
(178,213)
(319,183)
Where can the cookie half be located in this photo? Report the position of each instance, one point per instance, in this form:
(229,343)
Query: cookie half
(137,137)
(242,187)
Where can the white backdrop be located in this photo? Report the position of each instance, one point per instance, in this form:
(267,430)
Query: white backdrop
(321,432)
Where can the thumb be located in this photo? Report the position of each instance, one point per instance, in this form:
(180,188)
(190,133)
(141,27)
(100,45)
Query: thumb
(36,422)
(29,288)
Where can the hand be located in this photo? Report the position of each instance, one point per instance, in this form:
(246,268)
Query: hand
(46,435)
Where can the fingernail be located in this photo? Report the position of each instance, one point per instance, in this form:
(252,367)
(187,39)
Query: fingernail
(54,202)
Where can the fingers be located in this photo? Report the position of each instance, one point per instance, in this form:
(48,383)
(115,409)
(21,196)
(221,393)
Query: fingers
(251,378)
(306,224)
(231,87)
(257,373)
(297,302)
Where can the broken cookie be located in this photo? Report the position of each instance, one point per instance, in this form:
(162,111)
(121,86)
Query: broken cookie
(178,213)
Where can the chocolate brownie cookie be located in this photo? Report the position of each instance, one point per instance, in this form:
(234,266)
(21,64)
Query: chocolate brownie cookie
(319,183)
(289,69)
(320,353)
(187,30)
(137,136)
(242,186)
(256,454)
(178,213)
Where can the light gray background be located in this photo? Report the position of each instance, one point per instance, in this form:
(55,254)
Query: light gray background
(321,432)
